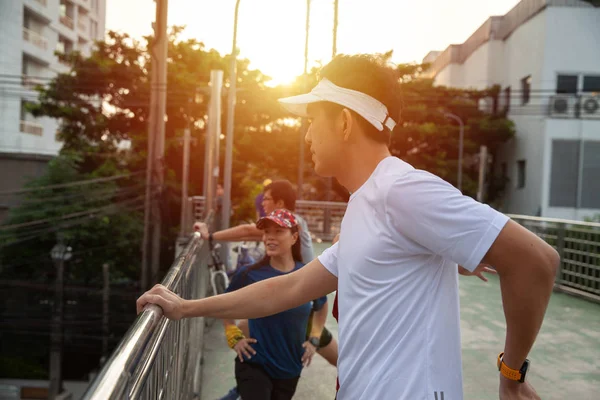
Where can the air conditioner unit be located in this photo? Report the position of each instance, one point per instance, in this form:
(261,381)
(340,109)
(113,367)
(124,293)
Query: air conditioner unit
(589,106)
(563,106)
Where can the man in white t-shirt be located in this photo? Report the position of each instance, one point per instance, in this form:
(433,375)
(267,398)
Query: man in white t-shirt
(394,266)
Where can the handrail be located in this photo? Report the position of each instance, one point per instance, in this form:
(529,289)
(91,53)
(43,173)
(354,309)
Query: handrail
(555,220)
(127,371)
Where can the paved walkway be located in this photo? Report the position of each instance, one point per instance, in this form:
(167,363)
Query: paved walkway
(565,360)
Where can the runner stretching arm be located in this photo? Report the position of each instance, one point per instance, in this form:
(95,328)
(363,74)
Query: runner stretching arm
(236,234)
(289,291)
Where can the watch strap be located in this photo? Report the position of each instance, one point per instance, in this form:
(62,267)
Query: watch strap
(509,373)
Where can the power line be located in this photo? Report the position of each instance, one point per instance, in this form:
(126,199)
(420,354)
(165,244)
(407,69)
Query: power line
(78,222)
(71,184)
(68,216)
(19,232)
(95,192)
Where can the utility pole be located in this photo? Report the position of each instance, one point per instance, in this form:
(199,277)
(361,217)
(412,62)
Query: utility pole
(460,146)
(483,163)
(212,135)
(60,253)
(329,187)
(105,309)
(335,28)
(156,147)
(185,171)
(304,122)
(226,210)
(333,53)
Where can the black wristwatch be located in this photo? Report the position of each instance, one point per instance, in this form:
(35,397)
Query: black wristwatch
(315,341)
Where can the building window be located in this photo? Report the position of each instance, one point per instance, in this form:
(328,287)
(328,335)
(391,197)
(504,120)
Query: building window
(566,84)
(525,89)
(568,170)
(591,83)
(590,187)
(521,174)
(564,173)
(507,99)
(94,30)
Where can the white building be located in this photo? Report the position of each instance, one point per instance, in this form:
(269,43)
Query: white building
(545,55)
(30,32)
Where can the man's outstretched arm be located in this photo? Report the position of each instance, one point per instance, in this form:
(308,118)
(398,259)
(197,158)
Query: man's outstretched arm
(235,234)
(258,300)
(527,267)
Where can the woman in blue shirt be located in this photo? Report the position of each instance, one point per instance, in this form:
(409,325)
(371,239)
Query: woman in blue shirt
(268,365)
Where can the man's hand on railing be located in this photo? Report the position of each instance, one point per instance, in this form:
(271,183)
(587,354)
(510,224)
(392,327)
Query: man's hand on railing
(203,229)
(171,304)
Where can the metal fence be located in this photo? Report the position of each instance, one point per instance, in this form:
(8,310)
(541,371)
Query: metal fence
(578,244)
(324,218)
(159,358)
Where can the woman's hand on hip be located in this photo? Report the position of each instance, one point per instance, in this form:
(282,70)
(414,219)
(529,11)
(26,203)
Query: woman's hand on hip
(309,352)
(243,348)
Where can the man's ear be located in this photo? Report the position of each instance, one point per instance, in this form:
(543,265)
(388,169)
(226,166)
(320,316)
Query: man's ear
(347,122)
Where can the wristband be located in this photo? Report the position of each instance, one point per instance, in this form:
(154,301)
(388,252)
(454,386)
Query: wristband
(233,335)
(512,374)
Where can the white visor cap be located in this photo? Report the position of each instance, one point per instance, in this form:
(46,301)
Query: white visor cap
(364,105)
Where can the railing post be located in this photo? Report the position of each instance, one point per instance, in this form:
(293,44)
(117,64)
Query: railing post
(560,248)
(327,222)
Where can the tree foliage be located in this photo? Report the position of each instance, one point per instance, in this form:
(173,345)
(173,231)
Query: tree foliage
(104,100)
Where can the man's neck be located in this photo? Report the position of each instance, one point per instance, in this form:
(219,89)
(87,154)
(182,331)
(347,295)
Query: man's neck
(361,163)
(284,263)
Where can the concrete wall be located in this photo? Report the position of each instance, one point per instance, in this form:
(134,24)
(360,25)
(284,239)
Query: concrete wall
(528,145)
(451,75)
(572,45)
(476,69)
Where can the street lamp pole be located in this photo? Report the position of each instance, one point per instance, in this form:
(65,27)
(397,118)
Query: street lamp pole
(60,253)
(460,146)
(226,210)
(304,124)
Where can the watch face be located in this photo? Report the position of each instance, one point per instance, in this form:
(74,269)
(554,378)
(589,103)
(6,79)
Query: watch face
(523,370)
(314,341)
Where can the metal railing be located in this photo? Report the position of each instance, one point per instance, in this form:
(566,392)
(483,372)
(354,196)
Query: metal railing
(578,244)
(32,128)
(35,39)
(67,21)
(158,358)
(82,25)
(324,218)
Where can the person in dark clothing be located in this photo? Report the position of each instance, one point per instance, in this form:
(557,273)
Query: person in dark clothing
(268,364)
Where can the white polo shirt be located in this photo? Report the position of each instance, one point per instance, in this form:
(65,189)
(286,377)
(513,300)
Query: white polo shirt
(402,236)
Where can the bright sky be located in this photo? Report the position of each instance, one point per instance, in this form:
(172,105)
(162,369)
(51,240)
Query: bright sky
(271,32)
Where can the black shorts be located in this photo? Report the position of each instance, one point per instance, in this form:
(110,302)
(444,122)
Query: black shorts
(253,383)
(326,336)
